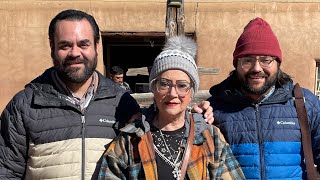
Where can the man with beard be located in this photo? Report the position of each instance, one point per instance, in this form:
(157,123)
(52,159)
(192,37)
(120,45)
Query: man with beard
(59,125)
(254,108)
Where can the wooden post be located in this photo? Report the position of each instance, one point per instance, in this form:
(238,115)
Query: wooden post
(175,19)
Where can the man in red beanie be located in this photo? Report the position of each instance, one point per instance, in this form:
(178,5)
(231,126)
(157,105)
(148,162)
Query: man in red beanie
(254,108)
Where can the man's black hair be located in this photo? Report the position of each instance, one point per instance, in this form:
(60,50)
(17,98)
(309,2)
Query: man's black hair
(116,70)
(74,15)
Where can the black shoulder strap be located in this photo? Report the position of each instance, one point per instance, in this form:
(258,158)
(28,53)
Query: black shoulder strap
(305,133)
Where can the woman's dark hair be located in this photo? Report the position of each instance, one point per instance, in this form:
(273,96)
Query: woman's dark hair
(75,15)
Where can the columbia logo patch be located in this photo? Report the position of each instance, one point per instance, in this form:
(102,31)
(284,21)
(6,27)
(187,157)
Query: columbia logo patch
(106,121)
(286,123)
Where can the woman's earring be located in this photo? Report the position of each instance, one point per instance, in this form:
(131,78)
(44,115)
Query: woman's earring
(189,108)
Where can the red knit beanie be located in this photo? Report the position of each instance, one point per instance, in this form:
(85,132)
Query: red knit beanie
(257,39)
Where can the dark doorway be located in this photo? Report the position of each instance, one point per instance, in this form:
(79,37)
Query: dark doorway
(134,52)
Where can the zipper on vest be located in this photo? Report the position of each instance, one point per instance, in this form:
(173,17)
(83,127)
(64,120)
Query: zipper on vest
(262,171)
(83,121)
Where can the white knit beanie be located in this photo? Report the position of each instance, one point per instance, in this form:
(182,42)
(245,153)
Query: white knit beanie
(179,52)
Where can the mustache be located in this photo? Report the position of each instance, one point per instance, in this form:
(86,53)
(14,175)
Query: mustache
(70,60)
(253,74)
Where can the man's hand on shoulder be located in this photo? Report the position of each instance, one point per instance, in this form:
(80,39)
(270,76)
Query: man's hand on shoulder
(204,108)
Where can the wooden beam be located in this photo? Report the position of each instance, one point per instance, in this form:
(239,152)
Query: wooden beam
(175,20)
(208,71)
(180,19)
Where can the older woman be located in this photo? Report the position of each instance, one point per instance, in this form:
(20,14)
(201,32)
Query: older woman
(170,142)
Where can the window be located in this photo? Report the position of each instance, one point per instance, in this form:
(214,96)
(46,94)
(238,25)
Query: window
(317,83)
(134,52)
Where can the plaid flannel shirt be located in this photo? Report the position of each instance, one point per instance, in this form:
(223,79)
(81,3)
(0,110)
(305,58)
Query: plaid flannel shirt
(131,156)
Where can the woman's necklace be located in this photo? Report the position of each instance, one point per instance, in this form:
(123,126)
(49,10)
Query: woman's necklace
(165,144)
(175,163)
(166,151)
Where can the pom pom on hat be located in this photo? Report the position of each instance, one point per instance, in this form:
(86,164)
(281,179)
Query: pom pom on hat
(179,52)
(257,39)
(183,44)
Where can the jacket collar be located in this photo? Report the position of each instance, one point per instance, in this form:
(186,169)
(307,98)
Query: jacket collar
(46,93)
(141,126)
(229,92)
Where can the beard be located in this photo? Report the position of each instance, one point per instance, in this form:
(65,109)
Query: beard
(269,82)
(75,74)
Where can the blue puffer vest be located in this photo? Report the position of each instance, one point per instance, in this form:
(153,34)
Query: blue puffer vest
(265,137)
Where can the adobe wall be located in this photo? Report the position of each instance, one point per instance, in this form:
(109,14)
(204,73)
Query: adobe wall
(25,52)
(297,26)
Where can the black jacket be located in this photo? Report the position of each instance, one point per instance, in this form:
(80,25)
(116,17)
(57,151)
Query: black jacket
(44,136)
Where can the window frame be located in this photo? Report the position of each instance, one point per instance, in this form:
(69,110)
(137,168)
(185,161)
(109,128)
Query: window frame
(317,79)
